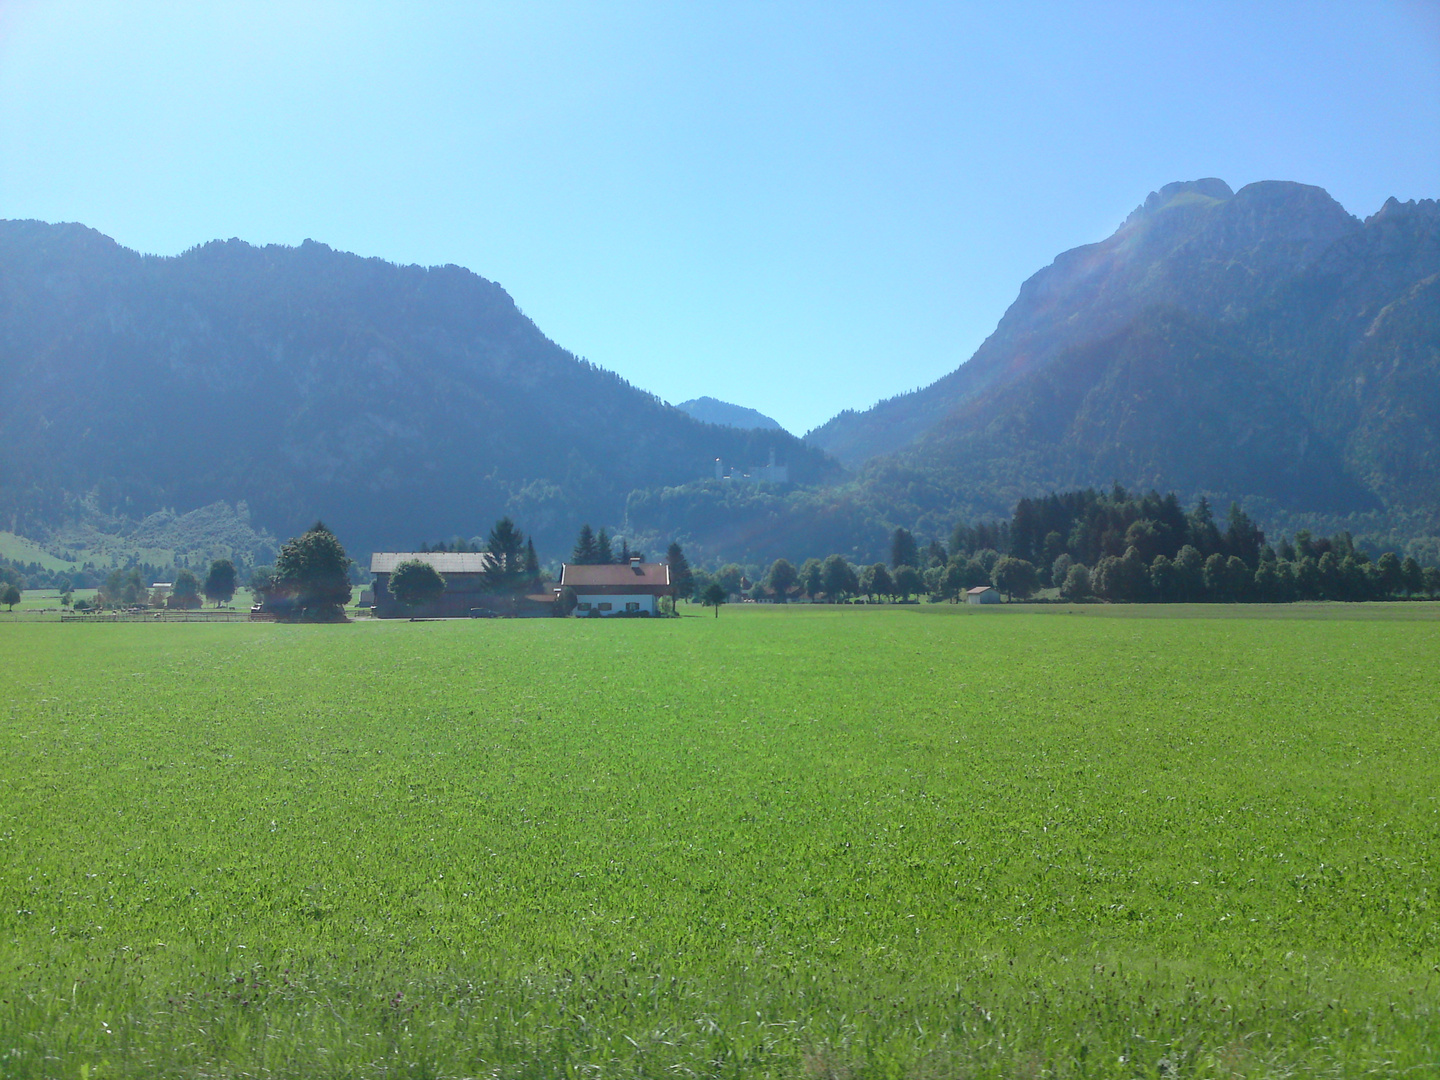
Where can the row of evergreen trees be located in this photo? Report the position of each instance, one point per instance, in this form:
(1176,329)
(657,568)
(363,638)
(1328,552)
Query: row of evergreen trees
(597,549)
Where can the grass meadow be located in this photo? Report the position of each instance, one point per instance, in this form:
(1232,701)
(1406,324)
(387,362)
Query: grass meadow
(805,842)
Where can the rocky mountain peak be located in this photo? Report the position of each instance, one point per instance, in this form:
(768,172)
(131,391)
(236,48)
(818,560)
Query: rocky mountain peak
(1394,209)
(1185,191)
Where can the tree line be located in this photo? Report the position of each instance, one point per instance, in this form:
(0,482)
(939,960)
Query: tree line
(1089,544)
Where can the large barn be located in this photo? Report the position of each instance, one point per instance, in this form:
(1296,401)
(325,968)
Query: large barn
(632,588)
(465,584)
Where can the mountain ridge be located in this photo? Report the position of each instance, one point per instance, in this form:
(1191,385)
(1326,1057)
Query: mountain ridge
(1095,277)
(714,411)
(1263,346)
(397,402)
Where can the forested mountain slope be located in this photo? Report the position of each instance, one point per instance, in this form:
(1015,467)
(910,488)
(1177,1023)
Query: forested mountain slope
(713,411)
(396,402)
(1263,346)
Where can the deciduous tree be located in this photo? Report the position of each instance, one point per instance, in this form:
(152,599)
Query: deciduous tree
(1390,574)
(812,582)
(781,579)
(220,582)
(952,581)
(907,582)
(1077,583)
(312,577)
(184,592)
(838,580)
(731,578)
(1412,577)
(415,583)
(876,581)
(713,596)
(1015,577)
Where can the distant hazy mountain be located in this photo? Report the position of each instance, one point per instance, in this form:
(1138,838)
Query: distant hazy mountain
(397,403)
(712,411)
(1262,345)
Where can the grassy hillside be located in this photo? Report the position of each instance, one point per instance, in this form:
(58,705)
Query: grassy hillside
(819,842)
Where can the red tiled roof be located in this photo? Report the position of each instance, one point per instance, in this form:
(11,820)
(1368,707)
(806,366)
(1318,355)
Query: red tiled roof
(640,577)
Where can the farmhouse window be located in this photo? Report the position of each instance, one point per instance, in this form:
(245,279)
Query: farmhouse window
(632,606)
(604,607)
(583,607)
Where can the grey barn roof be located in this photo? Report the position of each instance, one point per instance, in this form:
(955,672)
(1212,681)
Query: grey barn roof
(447,562)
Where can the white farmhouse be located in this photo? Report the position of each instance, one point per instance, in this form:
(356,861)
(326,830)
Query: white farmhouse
(617,588)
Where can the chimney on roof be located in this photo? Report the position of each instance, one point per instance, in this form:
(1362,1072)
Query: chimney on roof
(635,563)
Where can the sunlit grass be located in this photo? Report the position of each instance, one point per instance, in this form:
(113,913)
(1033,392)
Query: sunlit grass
(781,842)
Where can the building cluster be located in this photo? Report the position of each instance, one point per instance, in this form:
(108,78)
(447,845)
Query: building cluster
(756,474)
(606,589)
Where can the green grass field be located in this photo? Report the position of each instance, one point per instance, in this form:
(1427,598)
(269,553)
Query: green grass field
(805,842)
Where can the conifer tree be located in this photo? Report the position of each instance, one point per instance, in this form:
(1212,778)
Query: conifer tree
(603,551)
(681,579)
(507,548)
(903,549)
(587,551)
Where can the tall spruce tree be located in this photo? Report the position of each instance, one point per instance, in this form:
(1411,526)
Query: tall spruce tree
(506,546)
(587,551)
(681,578)
(903,549)
(603,551)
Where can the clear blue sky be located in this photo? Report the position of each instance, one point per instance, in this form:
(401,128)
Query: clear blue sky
(799,208)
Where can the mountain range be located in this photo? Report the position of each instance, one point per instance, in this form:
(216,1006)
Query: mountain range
(1262,345)
(400,404)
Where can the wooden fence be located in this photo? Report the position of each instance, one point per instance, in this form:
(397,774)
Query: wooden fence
(167,616)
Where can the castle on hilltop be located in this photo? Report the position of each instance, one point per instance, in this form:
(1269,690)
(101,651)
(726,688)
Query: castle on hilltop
(756,474)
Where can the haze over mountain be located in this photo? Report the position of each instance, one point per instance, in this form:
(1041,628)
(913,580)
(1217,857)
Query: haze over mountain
(398,403)
(714,411)
(1263,345)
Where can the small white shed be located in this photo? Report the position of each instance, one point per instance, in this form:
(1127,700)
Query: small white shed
(983,594)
